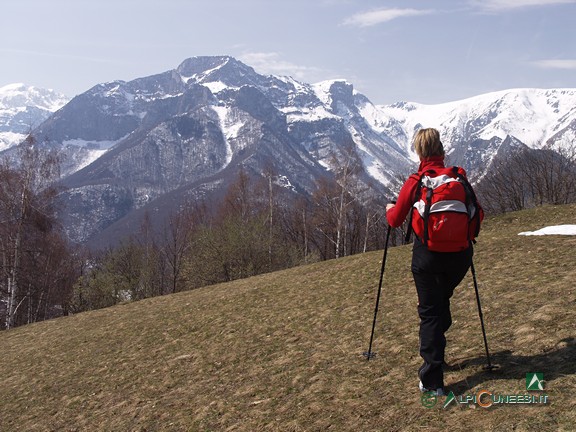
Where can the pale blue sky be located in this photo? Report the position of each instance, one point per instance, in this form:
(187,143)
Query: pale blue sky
(402,50)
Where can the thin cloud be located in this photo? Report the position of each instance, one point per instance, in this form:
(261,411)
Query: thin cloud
(505,5)
(52,55)
(379,16)
(556,64)
(272,63)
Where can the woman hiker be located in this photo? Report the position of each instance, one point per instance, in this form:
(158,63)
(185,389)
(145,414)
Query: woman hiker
(436,273)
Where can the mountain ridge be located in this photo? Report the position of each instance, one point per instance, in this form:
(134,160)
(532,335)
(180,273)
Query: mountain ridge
(127,143)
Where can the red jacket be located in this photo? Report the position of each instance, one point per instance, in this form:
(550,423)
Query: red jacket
(397,214)
(453,238)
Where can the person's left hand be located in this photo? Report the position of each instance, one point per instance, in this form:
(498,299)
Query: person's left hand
(389,206)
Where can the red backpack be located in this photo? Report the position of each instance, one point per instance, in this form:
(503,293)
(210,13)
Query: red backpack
(445,216)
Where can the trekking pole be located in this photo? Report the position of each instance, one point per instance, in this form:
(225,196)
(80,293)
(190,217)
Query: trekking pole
(489,366)
(369,354)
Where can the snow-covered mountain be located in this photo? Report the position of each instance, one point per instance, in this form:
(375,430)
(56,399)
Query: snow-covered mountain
(475,129)
(185,133)
(22,108)
(231,94)
(149,145)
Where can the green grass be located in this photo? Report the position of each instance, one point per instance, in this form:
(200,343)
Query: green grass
(283,351)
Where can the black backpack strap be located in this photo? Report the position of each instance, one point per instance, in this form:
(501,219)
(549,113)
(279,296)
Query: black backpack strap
(409,230)
(470,198)
(416,198)
(429,194)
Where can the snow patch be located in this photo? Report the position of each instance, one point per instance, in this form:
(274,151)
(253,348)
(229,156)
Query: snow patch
(306,114)
(216,86)
(285,183)
(91,145)
(372,164)
(200,77)
(322,90)
(376,171)
(552,230)
(9,139)
(374,117)
(298,86)
(230,129)
(90,157)
(94,149)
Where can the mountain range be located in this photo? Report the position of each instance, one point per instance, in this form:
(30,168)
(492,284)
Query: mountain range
(154,144)
(22,108)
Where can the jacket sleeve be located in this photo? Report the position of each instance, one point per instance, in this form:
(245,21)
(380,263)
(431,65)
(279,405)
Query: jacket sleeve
(397,214)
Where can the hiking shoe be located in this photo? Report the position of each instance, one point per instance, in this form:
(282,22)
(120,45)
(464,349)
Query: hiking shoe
(438,392)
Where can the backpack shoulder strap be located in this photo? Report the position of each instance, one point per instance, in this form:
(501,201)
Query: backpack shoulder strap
(470,196)
(419,176)
(416,195)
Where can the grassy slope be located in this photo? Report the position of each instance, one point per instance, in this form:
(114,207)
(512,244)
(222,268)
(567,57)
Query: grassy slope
(283,351)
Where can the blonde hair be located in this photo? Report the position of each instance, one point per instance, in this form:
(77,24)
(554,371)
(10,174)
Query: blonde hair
(427,143)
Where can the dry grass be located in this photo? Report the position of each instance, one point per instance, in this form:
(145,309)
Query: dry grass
(282,351)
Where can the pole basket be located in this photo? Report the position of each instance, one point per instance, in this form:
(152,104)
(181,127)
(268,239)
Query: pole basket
(369,355)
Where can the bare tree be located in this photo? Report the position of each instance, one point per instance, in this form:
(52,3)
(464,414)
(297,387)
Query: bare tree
(27,200)
(177,242)
(528,178)
(297,226)
(269,174)
(333,199)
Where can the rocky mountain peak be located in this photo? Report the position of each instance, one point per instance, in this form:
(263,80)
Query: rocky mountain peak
(155,142)
(224,69)
(22,108)
(19,96)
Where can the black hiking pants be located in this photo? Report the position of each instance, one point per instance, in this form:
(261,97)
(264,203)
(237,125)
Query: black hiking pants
(436,275)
